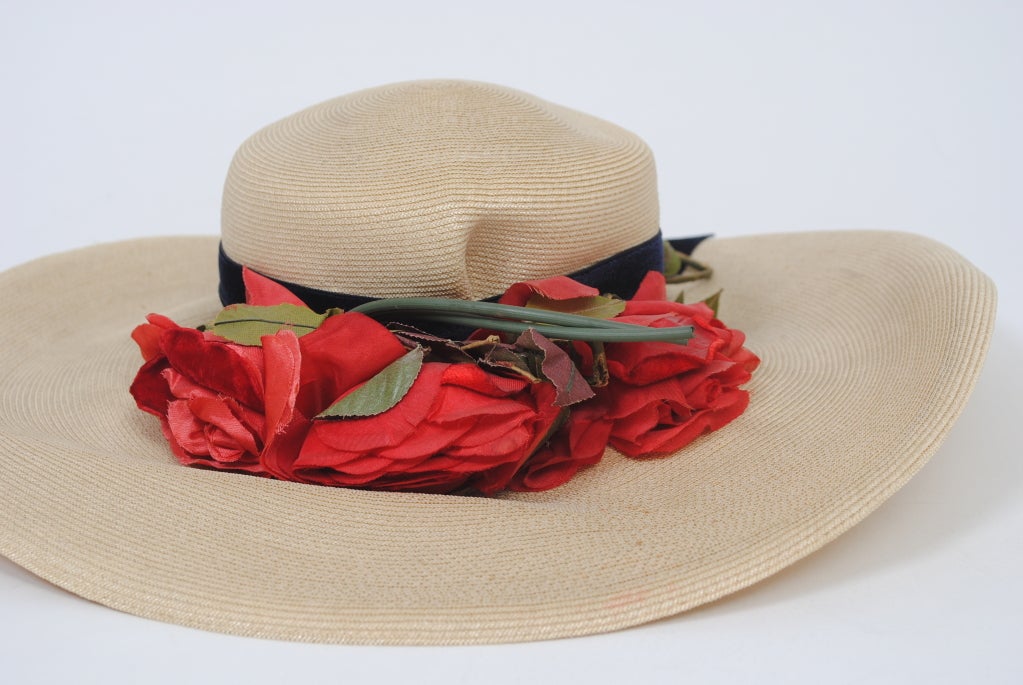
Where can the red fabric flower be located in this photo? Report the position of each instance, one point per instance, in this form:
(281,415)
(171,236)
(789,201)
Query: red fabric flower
(209,394)
(225,406)
(457,426)
(662,396)
(580,442)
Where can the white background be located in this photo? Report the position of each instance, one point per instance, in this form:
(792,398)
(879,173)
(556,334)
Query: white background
(118,120)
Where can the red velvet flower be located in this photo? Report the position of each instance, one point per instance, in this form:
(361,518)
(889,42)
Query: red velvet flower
(224,405)
(210,395)
(457,426)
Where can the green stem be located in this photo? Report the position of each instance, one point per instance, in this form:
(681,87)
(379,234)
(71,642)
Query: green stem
(511,319)
(493,310)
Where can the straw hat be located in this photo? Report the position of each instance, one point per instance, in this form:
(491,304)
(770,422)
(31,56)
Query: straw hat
(870,341)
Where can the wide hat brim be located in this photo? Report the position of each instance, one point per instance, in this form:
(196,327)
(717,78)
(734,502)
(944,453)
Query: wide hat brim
(870,341)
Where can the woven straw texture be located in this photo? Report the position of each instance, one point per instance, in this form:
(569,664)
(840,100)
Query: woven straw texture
(436,188)
(870,342)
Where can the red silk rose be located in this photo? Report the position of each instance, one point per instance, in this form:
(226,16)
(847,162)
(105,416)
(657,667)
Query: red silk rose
(225,405)
(661,395)
(458,426)
(580,442)
(209,394)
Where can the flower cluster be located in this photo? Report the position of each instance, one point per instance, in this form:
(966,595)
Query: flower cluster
(274,389)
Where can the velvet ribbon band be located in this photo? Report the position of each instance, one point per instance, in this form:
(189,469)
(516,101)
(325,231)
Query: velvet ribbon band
(619,274)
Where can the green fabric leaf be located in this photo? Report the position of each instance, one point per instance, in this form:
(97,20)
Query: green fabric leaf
(681,268)
(596,307)
(557,367)
(381,392)
(245,324)
(713,302)
(672,260)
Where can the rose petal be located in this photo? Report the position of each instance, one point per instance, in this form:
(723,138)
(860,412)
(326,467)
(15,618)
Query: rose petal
(652,287)
(497,479)
(216,365)
(148,335)
(217,412)
(555,288)
(266,292)
(579,443)
(346,350)
(282,357)
(183,388)
(150,388)
(187,429)
(281,451)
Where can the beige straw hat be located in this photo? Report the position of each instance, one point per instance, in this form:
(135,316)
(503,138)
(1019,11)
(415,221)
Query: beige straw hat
(870,345)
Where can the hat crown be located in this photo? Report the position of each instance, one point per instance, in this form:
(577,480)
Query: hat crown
(436,188)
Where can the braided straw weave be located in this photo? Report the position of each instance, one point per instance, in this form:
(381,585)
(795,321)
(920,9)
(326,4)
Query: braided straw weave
(870,341)
(437,189)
